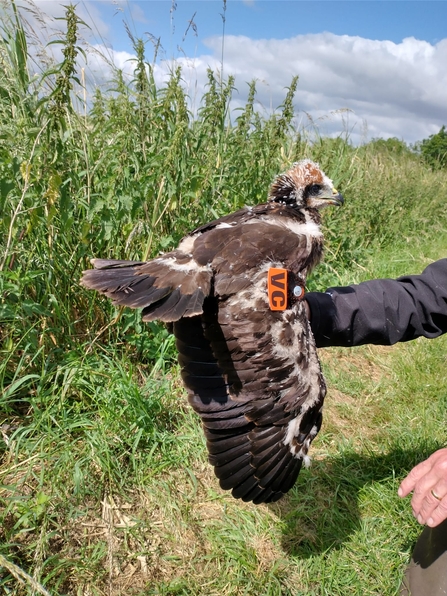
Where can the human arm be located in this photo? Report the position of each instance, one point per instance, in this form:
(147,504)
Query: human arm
(382,311)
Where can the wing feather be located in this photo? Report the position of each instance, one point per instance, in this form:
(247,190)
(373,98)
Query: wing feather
(167,288)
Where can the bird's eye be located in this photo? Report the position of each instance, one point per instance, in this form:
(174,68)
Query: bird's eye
(314,189)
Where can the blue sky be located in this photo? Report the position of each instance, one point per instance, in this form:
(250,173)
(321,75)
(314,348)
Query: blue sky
(374,69)
(263,19)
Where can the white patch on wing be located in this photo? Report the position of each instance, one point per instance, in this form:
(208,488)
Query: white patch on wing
(187,244)
(225,225)
(190,267)
(307,461)
(293,430)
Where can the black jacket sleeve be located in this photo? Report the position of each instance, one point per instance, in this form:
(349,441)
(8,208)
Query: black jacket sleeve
(382,311)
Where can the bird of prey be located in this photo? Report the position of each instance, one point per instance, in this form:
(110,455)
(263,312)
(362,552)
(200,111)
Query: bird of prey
(232,293)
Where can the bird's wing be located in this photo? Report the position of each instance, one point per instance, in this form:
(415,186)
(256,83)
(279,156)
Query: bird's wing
(167,288)
(236,217)
(253,374)
(275,367)
(175,284)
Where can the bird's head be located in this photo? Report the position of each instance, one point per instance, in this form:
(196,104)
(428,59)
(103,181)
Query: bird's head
(304,185)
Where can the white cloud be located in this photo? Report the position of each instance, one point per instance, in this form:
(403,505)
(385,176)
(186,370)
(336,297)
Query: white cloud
(399,89)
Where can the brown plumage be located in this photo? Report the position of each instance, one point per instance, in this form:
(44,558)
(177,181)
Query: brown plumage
(252,373)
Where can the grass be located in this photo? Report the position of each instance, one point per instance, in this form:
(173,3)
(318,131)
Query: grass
(104,481)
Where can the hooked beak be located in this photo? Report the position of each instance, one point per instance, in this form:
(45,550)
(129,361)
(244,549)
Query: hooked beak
(325,198)
(336,198)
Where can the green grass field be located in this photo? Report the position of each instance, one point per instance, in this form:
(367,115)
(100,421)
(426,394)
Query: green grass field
(105,487)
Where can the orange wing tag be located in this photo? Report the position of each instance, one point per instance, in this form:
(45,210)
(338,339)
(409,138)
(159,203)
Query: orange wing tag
(277,288)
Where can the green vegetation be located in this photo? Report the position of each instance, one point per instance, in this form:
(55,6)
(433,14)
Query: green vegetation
(434,149)
(104,485)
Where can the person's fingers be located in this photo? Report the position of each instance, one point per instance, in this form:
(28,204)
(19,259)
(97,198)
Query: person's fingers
(428,481)
(424,506)
(409,483)
(438,515)
(423,487)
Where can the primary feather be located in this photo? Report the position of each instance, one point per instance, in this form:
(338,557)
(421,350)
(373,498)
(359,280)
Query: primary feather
(252,373)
